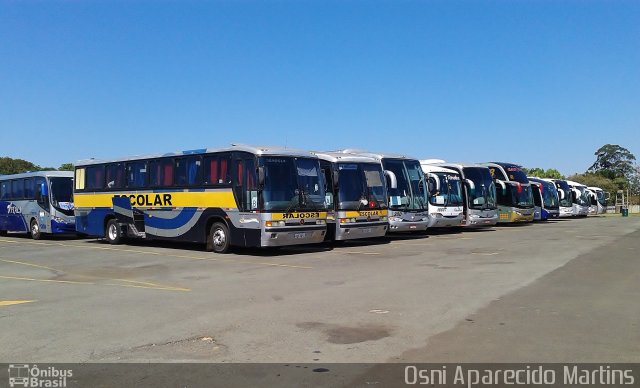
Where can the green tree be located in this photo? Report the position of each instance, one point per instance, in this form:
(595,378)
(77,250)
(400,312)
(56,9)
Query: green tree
(16,166)
(542,173)
(66,167)
(613,161)
(597,180)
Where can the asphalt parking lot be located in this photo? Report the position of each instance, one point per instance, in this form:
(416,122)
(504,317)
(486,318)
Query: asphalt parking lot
(564,291)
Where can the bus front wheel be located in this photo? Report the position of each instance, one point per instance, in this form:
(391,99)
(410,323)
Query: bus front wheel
(218,239)
(113,233)
(35,230)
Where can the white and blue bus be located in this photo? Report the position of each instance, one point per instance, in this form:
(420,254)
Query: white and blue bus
(236,196)
(546,199)
(446,202)
(37,203)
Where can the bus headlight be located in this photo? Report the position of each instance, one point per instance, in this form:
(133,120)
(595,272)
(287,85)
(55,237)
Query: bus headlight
(395,219)
(345,220)
(269,224)
(59,220)
(384,218)
(321,222)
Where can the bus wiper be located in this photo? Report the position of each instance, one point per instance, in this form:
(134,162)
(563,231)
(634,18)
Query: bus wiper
(295,201)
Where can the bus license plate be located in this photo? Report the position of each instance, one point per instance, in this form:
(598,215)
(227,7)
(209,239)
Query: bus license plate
(412,226)
(299,235)
(366,230)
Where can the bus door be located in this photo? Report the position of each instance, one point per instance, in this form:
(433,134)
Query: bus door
(245,189)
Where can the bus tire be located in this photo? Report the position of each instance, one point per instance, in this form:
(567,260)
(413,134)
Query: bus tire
(34,230)
(218,239)
(113,233)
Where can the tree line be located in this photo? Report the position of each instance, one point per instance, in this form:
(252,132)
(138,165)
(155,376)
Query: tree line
(16,166)
(614,169)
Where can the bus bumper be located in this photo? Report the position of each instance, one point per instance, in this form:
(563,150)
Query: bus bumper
(478,220)
(351,231)
(276,237)
(445,221)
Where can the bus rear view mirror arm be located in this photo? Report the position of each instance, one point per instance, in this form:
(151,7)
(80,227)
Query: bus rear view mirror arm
(502,185)
(393,181)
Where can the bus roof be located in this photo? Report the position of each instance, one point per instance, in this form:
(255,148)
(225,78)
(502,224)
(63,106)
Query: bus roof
(594,188)
(572,183)
(427,167)
(376,155)
(257,150)
(336,157)
(66,174)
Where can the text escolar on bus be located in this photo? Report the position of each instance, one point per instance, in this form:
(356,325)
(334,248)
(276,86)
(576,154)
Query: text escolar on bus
(37,203)
(356,196)
(236,196)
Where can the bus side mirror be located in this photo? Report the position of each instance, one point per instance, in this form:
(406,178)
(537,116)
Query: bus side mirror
(261,175)
(335,179)
(561,193)
(393,181)
(503,186)
(470,185)
(433,183)
(607,195)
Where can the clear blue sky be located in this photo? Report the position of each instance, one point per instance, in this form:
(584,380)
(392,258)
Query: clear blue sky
(540,83)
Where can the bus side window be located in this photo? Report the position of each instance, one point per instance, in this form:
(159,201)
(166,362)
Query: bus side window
(188,171)
(115,175)
(161,173)
(137,174)
(5,187)
(79,180)
(17,189)
(28,189)
(216,169)
(39,182)
(246,183)
(94,176)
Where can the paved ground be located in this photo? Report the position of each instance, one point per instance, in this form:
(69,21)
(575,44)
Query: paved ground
(563,291)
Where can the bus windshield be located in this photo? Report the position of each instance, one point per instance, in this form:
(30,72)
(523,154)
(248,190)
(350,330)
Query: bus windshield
(601,197)
(483,193)
(550,195)
(62,194)
(292,184)
(515,173)
(564,186)
(583,198)
(410,193)
(450,189)
(520,195)
(361,185)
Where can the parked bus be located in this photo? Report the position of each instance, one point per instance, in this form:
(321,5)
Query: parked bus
(515,198)
(580,197)
(236,196)
(479,194)
(598,200)
(356,196)
(546,199)
(37,202)
(566,201)
(446,206)
(406,191)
